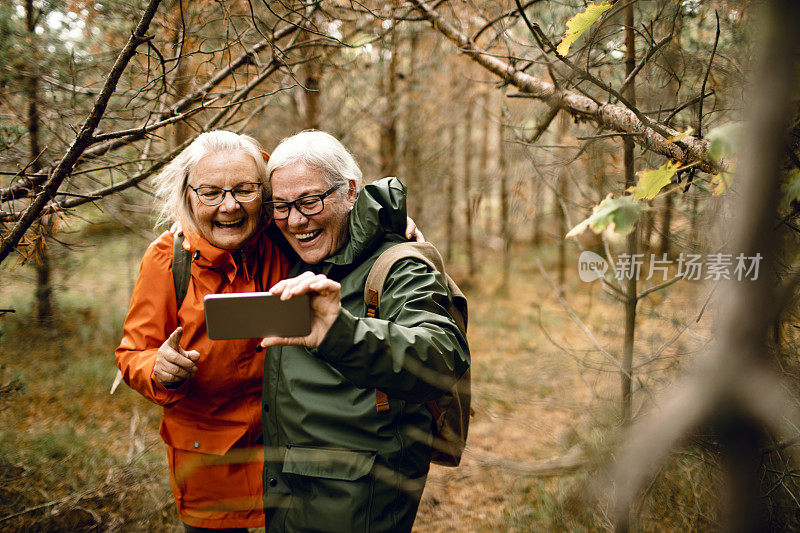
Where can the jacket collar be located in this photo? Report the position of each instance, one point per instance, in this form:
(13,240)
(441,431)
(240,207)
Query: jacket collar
(380,208)
(206,255)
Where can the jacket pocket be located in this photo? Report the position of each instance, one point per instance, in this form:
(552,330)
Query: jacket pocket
(332,488)
(199,436)
(332,463)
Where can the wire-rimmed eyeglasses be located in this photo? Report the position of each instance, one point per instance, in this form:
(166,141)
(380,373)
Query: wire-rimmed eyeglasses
(309,205)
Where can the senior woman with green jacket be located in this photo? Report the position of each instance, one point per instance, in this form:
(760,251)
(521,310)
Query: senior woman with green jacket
(333,462)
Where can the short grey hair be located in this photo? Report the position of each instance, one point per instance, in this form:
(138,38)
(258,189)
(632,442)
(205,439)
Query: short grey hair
(320,151)
(171,182)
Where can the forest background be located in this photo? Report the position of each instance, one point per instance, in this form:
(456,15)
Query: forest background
(660,135)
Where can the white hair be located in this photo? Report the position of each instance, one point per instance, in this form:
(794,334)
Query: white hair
(320,151)
(171,182)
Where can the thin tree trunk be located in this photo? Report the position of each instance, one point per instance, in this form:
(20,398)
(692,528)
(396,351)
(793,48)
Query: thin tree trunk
(411,150)
(693,236)
(311,94)
(505,232)
(468,186)
(666,222)
(310,76)
(180,85)
(483,172)
(632,244)
(560,205)
(389,129)
(539,202)
(450,176)
(673,56)
(648,223)
(44,289)
(631,298)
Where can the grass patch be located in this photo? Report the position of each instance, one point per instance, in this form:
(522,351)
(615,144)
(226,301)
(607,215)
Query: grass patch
(71,456)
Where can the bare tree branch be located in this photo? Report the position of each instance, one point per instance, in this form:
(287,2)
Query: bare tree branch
(609,116)
(84,137)
(174,113)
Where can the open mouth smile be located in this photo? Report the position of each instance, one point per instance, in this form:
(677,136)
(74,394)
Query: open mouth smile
(308,236)
(229,224)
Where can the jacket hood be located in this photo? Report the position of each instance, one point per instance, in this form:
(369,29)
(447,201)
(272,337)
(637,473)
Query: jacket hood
(380,208)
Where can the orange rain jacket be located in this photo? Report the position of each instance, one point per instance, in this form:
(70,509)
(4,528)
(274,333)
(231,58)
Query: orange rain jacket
(212,422)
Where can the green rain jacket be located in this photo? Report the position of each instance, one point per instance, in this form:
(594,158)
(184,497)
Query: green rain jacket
(332,462)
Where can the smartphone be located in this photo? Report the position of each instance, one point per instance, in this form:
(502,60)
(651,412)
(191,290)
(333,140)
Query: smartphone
(253,315)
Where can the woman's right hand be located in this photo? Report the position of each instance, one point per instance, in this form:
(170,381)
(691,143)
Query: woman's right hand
(174,364)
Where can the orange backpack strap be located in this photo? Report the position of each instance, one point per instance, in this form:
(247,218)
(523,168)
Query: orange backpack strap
(381,401)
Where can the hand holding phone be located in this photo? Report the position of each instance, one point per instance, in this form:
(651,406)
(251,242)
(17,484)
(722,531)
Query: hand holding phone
(325,306)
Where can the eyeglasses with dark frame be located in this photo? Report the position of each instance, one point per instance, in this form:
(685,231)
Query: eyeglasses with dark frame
(309,205)
(211,196)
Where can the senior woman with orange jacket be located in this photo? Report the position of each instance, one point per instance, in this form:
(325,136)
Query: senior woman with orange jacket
(210,390)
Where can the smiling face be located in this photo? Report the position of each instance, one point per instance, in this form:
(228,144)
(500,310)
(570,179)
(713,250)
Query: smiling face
(230,224)
(319,236)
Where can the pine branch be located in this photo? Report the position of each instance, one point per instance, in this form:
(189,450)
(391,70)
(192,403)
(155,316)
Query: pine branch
(180,109)
(84,137)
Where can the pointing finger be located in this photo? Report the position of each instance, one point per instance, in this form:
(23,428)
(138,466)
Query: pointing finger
(175,338)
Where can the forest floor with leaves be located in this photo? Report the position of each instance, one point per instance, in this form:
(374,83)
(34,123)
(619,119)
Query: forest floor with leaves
(545,403)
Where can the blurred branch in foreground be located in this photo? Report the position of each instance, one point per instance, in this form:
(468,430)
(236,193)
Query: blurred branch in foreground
(734,391)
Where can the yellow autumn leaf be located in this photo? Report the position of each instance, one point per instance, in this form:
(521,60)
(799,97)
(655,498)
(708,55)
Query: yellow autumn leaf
(652,181)
(577,25)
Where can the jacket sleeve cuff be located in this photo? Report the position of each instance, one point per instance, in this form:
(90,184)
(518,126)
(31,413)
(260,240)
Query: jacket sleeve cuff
(339,337)
(167,396)
(161,389)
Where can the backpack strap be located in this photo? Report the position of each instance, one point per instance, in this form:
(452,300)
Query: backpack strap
(181,268)
(376,279)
